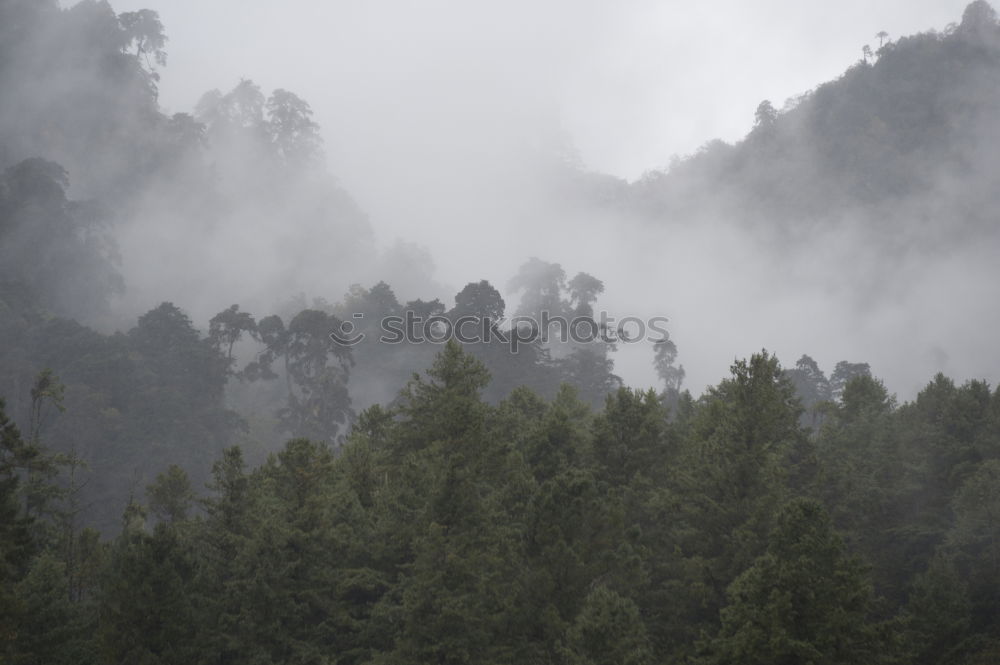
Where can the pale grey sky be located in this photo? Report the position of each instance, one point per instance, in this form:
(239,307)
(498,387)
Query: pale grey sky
(633,81)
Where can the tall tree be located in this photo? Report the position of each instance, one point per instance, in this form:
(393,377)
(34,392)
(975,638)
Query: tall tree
(805,600)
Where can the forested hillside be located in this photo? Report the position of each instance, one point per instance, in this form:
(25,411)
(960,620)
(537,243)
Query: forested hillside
(451,530)
(903,146)
(277,482)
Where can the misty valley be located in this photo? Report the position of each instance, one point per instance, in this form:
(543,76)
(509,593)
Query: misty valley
(743,409)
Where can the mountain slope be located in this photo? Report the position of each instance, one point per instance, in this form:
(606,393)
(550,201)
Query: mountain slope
(904,141)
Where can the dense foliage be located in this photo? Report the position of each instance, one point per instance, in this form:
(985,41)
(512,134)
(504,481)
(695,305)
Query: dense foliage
(448,529)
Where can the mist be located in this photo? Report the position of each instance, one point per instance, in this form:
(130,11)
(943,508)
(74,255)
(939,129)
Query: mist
(442,122)
(281,164)
(243,245)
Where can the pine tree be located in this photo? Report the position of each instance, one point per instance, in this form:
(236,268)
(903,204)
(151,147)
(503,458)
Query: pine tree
(805,600)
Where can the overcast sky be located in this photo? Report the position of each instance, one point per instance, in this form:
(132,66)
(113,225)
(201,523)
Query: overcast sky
(428,108)
(633,81)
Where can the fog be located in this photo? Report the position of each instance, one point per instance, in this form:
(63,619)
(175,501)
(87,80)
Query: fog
(633,82)
(234,238)
(445,122)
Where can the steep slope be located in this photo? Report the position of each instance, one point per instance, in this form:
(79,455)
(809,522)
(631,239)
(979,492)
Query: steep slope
(905,142)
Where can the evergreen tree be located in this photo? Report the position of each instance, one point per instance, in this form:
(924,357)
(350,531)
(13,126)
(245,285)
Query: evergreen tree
(805,600)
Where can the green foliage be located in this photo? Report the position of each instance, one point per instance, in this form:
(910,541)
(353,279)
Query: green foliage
(803,601)
(51,629)
(629,437)
(170,495)
(147,612)
(449,530)
(608,631)
(16,546)
(445,408)
(938,614)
